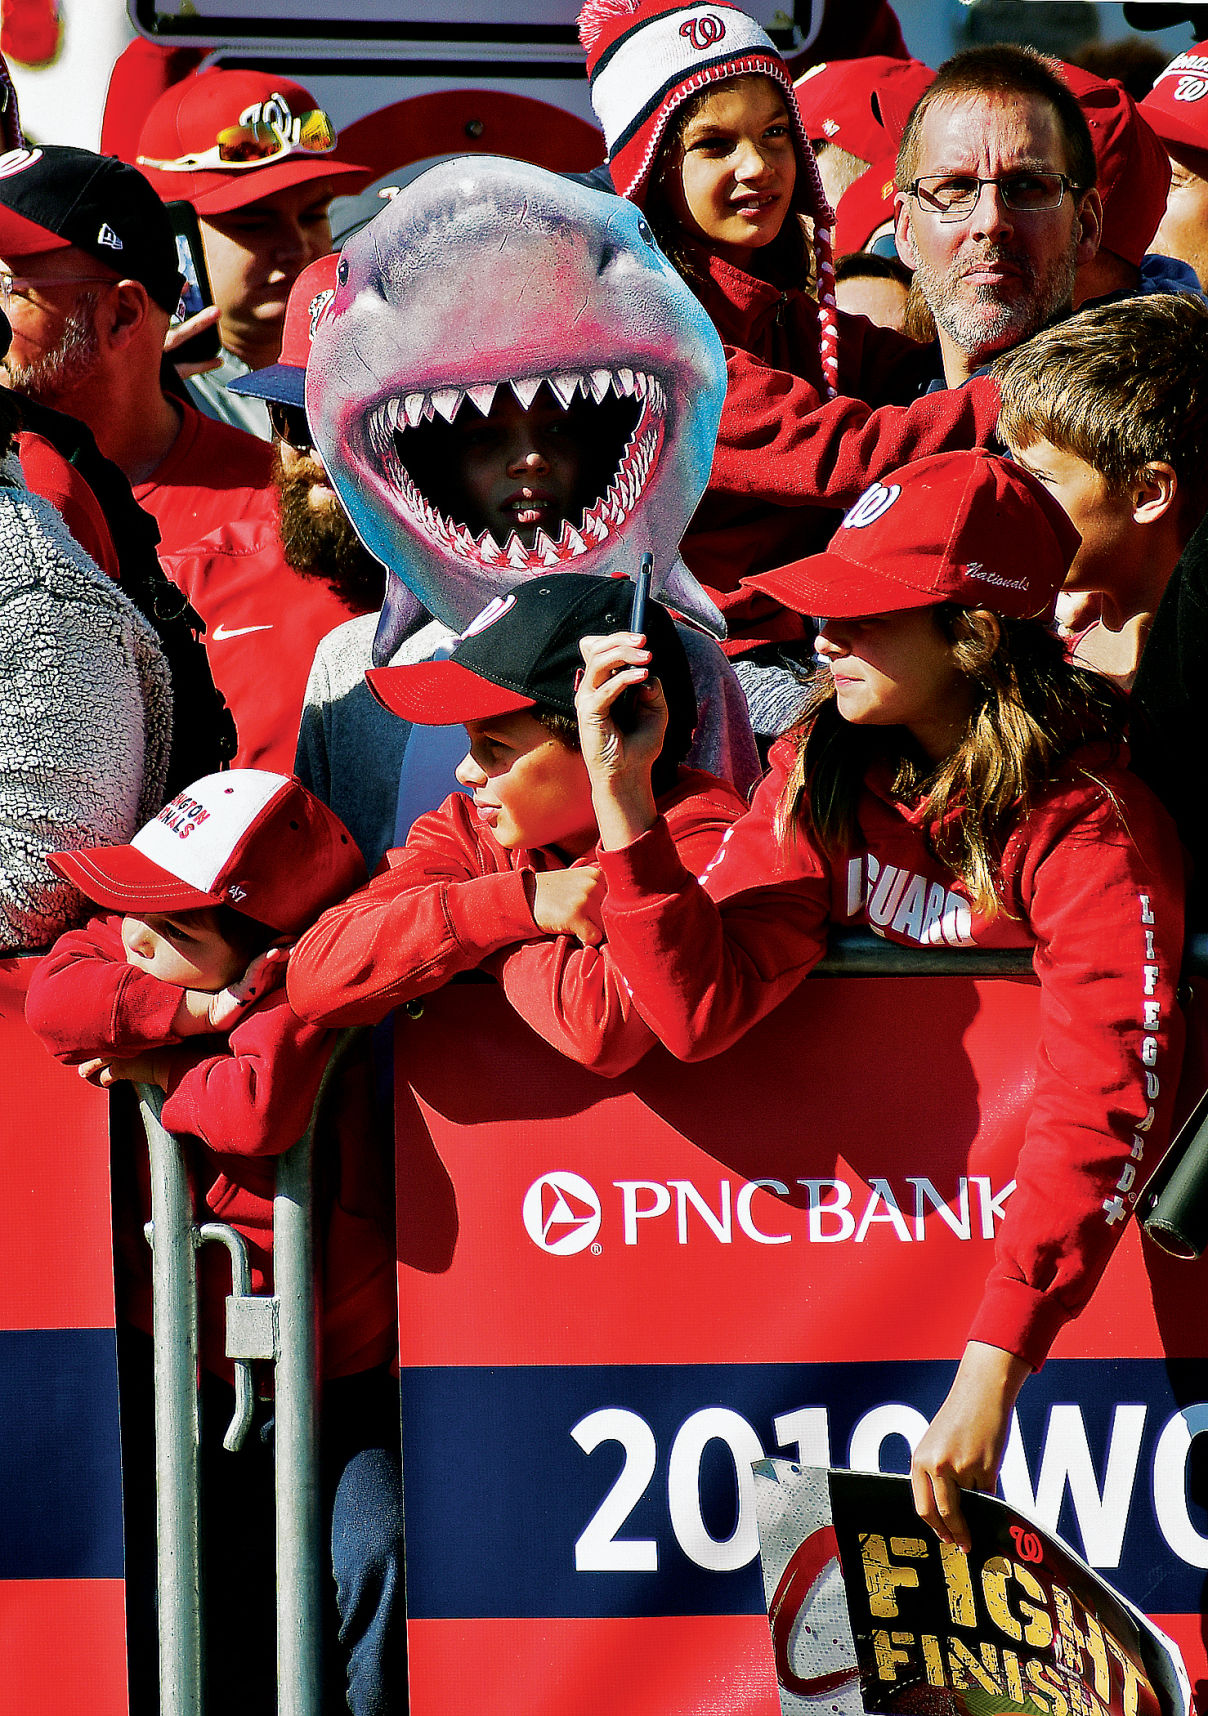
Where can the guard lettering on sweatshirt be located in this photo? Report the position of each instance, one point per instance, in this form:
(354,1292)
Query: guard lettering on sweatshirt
(901,903)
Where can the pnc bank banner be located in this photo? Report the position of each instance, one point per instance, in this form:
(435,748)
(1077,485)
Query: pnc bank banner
(617,1296)
(62,1596)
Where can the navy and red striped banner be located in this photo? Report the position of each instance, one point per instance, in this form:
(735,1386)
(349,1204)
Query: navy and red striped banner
(62,1596)
(614,1295)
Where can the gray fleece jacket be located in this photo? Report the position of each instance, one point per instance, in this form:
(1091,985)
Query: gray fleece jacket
(85,714)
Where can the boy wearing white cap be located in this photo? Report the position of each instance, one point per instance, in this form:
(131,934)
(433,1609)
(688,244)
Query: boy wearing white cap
(178,984)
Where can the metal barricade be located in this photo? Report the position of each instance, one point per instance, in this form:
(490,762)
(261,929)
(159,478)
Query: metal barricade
(281,1328)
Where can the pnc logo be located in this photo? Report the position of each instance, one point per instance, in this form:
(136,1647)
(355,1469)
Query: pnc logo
(561,1213)
(703,32)
(873,504)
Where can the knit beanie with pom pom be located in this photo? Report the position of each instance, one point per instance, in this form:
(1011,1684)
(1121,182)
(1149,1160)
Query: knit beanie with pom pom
(645,58)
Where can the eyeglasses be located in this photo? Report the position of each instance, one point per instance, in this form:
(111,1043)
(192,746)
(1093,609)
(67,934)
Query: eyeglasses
(290,423)
(240,146)
(952,196)
(15,285)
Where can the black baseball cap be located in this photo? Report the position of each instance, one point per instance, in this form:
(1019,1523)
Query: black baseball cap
(523,650)
(52,196)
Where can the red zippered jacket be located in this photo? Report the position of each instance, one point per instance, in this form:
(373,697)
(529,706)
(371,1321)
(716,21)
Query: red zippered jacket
(787,461)
(453,899)
(246,1098)
(1092,881)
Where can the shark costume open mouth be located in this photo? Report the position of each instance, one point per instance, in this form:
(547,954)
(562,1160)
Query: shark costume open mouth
(481,280)
(621,412)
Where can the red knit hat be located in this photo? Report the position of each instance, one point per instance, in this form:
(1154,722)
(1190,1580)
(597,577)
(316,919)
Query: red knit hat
(1177,105)
(187,119)
(1134,168)
(646,57)
(954,527)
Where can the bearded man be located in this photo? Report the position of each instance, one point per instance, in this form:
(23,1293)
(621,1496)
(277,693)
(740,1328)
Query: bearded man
(272,583)
(89,280)
(996,202)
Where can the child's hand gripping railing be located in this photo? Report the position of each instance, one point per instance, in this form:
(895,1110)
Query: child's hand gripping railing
(281,1327)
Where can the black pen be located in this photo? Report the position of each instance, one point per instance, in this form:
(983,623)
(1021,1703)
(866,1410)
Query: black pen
(641,590)
(627,701)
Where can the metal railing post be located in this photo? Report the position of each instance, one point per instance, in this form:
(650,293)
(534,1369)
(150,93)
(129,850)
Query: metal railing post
(177,1430)
(299,1532)
(297,1437)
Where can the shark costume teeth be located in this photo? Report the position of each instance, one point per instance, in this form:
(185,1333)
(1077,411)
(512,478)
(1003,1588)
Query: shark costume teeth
(391,418)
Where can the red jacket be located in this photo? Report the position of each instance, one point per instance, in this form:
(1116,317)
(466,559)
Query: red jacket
(787,461)
(212,474)
(1092,881)
(49,474)
(264,622)
(453,899)
(246,1098)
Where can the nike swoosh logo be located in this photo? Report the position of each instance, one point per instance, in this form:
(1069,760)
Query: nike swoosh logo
(220,632)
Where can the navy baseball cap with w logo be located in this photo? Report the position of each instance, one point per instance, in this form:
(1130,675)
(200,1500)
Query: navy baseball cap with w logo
(52,196)
(523,650)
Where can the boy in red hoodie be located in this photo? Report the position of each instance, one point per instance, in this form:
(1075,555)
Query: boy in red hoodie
(178,984)
(506,879)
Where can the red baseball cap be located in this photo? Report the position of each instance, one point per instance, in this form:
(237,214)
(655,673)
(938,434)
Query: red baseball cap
(865,205)
(309,297)
(955,527)
(1177,105)
(1134,168)
(186,122)
(862,105)
(246,838)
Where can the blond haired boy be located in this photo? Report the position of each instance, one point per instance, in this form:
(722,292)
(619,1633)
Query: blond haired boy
(1109,409)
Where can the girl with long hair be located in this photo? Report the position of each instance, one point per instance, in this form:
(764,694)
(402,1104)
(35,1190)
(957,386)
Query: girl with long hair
(954,782)
(705,135)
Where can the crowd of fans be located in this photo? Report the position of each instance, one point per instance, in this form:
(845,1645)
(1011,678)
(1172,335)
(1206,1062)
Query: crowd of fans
(954,524)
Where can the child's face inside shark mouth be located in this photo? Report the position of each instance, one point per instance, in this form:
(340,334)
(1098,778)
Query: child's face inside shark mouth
(525,472)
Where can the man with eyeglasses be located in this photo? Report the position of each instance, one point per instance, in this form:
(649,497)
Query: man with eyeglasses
(88,278)
(254,155)
(997,206)
(271,582)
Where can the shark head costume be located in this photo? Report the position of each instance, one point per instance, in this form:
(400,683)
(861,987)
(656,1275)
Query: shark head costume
(484,274)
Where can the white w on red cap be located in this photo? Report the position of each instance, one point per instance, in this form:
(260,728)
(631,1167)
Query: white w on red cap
(246,838)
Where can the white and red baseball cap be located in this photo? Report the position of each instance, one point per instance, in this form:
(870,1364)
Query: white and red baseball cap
(246,838)
(956,527)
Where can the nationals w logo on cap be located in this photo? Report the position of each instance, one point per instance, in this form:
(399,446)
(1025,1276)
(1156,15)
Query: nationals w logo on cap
(872,505)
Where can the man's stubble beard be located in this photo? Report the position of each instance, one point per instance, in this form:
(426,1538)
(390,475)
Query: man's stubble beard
(59,373)
(984,327)
(320,542)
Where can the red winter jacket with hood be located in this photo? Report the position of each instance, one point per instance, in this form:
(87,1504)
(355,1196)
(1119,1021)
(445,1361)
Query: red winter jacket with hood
(788,461)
